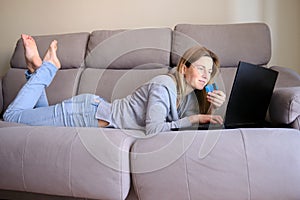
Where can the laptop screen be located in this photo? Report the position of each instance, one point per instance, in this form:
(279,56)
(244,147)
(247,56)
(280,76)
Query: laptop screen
(250,95)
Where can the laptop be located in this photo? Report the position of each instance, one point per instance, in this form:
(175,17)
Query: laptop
(249,98)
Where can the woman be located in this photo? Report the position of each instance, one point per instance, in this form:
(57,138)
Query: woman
(164,103)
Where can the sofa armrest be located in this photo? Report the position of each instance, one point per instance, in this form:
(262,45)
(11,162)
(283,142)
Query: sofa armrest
(285,105)
(287,77)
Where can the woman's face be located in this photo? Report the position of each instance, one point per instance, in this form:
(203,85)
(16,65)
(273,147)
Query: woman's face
(199,73)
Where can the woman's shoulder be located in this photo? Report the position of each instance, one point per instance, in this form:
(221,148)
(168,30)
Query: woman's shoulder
(164,79)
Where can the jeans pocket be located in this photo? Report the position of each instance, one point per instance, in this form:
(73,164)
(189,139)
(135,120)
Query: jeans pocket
(80,110)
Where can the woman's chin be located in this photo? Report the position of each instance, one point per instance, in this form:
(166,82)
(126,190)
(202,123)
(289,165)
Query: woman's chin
(199,87)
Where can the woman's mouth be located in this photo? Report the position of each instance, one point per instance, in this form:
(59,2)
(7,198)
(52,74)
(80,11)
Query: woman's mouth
(203,82)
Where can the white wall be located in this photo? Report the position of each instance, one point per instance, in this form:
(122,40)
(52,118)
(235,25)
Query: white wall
(38,17)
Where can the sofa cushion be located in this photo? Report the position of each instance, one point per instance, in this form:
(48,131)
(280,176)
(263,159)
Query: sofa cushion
(219,164)
(126,49)
(204,165)
(78,162)
(63,86)
(71,49)
(273,162)
(71,52)
(113,84)
(249,42)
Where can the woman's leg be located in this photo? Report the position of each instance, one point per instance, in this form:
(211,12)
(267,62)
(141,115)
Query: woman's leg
(77,111)
(42,76)
(33,62)
(43,100)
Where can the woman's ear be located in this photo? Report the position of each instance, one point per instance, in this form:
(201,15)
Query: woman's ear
(183,69)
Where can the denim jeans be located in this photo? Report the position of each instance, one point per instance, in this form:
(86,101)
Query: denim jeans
(31,104)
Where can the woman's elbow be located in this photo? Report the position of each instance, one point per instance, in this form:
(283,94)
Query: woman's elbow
(154,129)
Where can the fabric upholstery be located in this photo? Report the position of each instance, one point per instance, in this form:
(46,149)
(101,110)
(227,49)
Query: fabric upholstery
(203,166)
(226,79)
(114,84)
(286,77)
(126,49)
(235,164)
(285,105)
(273,163)
(63,86)
(71,49)
(1,96)
(231,42)
(296,123)
(56,160)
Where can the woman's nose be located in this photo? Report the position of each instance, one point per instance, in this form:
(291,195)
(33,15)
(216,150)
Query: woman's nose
(204,74)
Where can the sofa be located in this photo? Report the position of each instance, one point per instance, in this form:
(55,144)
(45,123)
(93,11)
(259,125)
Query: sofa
(40,162)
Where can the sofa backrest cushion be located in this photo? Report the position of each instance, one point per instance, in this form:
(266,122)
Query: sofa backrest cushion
(62,87)
(249,42)
(127,49)
(113,84)
(118,61)
(71,49)
(71,52)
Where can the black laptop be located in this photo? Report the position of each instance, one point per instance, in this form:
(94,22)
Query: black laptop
(249,98)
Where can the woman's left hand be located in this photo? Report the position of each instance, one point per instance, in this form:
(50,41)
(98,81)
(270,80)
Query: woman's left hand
(216,98)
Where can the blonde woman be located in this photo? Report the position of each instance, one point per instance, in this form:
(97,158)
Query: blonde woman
(173,101)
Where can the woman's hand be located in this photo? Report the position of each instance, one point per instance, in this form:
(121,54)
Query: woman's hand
(216,98)
(203,119)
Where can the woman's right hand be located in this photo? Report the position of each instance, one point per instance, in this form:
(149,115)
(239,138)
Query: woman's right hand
(204,119)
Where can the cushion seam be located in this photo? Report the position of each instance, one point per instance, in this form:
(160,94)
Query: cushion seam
(23,155)
(70,163)
(247,164)
(187,177)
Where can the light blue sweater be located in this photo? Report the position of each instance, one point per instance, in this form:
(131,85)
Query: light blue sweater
(152,108)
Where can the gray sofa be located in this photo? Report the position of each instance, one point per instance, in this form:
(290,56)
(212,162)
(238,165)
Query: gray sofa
(98,163)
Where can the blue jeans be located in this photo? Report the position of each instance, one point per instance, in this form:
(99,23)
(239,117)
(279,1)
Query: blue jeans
(31,104)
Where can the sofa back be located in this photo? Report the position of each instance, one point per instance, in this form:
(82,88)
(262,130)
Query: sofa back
(71,52)
(119,61)
(112,63)
(249,42)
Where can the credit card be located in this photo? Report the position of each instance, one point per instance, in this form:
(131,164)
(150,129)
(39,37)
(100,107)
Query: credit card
(211,87)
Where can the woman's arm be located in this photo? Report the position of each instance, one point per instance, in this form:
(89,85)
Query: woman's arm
(203,119)
(161,114)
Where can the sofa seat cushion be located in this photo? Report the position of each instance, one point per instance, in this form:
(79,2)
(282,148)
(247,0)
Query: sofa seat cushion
(78,162)
(204,165)
(273,162)
(218,164)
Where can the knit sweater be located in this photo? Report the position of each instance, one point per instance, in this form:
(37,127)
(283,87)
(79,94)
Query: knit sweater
(151,107)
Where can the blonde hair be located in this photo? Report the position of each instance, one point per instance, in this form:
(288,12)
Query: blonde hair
(189,57)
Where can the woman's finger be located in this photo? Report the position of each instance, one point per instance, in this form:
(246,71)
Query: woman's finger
(217,98)
(216,119)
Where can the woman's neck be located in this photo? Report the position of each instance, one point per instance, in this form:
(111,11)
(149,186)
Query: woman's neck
(188,90)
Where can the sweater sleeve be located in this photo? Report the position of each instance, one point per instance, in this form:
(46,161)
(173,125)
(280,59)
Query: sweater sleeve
(160,114)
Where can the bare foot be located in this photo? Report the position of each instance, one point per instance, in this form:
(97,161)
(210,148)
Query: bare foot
(32,57)
(51,55)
